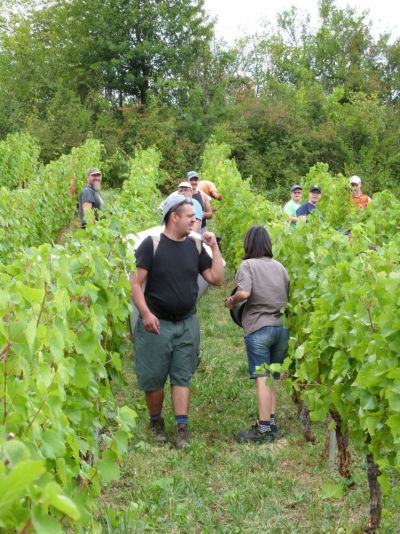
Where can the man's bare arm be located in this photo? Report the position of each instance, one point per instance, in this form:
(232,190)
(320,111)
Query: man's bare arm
(150,321)
(214,275)
(234,299)
(196,226)
(208,212)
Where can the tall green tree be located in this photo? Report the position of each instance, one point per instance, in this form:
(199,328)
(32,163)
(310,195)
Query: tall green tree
(133,49)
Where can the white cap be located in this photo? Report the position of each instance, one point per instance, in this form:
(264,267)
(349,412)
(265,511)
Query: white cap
(185,184)
(355,180)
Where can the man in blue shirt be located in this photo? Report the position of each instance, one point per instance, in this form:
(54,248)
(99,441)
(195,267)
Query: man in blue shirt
(314,197)
(185,188)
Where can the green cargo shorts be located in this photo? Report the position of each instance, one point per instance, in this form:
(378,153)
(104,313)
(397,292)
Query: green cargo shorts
(174,353)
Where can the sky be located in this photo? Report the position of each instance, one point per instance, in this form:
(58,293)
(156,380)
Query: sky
(236,17)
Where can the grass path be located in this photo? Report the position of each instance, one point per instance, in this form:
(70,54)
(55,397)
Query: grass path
(217,485)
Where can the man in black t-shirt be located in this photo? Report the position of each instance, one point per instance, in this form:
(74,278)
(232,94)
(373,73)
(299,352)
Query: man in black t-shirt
(167,335)
(305,209)
(193,179)
(90,198)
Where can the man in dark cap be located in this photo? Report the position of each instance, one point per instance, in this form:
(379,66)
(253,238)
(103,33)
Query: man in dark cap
(90,198)
(167,335)
(314,197)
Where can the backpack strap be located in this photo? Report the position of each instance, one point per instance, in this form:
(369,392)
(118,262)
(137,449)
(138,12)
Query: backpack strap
(156,242)
(199,244)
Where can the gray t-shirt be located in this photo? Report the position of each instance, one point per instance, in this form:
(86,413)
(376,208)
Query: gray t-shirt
(268,284)
(90,195)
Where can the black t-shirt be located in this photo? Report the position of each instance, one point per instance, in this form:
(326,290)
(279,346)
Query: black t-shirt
(171,289)
(307,208)
(89,194)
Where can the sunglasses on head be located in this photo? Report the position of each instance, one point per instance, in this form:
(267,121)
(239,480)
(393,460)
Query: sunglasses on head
(186,201)
(175,208)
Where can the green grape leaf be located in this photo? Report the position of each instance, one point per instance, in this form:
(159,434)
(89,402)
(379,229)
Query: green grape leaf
(17,483)
(56,343)
(87,344)
(109,468)
(30,333)
(44,523)
(32,295)
(15,451)
(394,423)
(65,505)
(332,491)
(127,418)
(53,444)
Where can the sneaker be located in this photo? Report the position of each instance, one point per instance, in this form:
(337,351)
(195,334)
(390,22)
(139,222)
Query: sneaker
(182,437)
(274,430)
(157,430)
(254,435)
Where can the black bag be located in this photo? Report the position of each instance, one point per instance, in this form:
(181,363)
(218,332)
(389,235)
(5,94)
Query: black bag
(238,310)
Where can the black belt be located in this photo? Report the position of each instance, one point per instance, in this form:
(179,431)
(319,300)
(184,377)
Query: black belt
(173,317)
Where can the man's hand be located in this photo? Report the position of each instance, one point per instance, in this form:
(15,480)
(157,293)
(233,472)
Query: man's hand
(151,323)
(209,239)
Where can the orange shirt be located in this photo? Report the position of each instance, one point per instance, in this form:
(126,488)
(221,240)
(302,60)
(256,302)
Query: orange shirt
(72,186)
(207,187)
(361,201)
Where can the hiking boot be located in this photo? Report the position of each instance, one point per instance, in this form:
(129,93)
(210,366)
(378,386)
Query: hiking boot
(254,435)
(182,437)
(157,430)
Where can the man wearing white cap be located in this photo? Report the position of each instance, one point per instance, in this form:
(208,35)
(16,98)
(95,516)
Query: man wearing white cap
(185,188)
(360,200)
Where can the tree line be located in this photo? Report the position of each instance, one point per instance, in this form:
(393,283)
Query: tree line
(151,72)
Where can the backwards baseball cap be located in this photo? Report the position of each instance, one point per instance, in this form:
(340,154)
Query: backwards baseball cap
(355,180)
(93,170)
(294,187)
(185,184)
(315,188)
(191,174)
(174,201)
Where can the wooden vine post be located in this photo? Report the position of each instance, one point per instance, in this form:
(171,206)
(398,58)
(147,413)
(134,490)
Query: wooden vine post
(375,493)
(342,440)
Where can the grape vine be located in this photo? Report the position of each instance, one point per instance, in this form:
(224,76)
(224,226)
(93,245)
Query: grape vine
(343,312)
(64,311)
(35,214)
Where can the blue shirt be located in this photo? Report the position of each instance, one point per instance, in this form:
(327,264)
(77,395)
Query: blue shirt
(198,209)
(196,204)
(306,209)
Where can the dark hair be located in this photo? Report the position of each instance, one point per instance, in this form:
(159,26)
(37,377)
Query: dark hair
(257,243)
(178,208)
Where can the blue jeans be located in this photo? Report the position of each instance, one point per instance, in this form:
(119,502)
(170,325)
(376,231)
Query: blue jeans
(266,346)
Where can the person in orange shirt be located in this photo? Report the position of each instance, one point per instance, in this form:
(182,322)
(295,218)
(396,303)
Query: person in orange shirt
(209,188)
(360,200)
(72,186)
